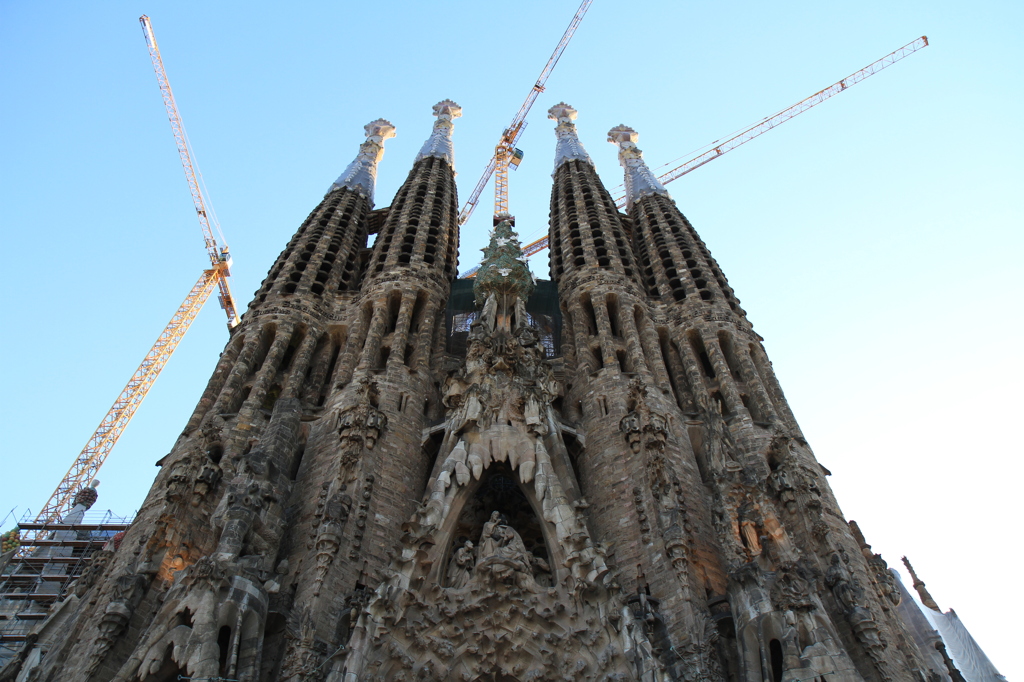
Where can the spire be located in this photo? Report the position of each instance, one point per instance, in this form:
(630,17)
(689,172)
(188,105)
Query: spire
(640,181)
(361,174)
(569,147)
(439,143)
(922,591)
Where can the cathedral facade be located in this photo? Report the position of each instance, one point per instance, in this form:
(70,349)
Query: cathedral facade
(394,474)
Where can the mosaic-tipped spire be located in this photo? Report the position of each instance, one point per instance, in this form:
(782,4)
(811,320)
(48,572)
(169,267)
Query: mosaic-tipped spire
(361,175)
(439,143)
(569,147)
(640,181)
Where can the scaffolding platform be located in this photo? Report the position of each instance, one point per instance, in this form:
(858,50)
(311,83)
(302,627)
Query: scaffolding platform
(56,560)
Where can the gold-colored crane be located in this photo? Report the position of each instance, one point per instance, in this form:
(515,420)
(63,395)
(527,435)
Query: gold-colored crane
(220,260)
(505,153)
(102,441)
(748,134)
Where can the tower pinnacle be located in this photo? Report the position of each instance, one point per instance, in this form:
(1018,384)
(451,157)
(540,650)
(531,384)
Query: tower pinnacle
(640,181)
(569,147)
(439,143)
(922,591)
(361,174)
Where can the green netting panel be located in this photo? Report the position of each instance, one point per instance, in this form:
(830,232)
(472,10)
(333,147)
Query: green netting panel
(542,307)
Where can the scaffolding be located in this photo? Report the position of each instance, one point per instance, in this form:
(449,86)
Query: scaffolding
(32,581)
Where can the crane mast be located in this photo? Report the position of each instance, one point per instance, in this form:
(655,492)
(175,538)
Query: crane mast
(505,151)
(103,440)
(219,257)
(753,131)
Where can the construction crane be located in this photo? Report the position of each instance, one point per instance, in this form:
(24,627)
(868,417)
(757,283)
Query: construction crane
(102,441)
(753,131)
(220,260)
(505,153)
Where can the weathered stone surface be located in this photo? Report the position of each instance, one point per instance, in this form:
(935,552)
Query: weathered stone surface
(350,502)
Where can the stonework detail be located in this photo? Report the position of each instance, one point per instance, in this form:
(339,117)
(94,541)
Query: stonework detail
(397,475)
(361,174)
(640,181)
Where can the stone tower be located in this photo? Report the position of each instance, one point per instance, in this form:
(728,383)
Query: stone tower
(394,474)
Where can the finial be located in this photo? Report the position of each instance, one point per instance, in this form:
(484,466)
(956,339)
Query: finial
(569,147)
(439,143)
(361,175)
(86,497)
(922,591)
(563,113)
(640,181)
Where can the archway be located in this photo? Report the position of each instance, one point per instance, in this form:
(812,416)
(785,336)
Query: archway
(499,491)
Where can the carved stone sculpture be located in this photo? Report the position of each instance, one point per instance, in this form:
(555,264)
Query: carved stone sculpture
(460,570)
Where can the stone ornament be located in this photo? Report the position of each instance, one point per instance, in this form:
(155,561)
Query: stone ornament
(569,147)
(192,477)
(361,175)
(439,144)
(640,181)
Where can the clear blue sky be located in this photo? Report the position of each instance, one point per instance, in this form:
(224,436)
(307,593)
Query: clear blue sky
(874,241)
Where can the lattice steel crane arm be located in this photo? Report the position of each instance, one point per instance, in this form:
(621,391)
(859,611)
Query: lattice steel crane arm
(754,131)
(510,135)
(219,258)
(121,412)
(772,121)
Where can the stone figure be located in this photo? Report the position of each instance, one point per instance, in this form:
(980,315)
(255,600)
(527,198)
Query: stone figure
(209,475)
(749,535)
(839,580)
(460,570)
(503,554)
(488,542)
(630,427)
(782,484)
(541,570)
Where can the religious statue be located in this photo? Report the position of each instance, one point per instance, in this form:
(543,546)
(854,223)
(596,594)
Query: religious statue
(838,578)
(488,543)
(503,554)
(749,534)
(460,571)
